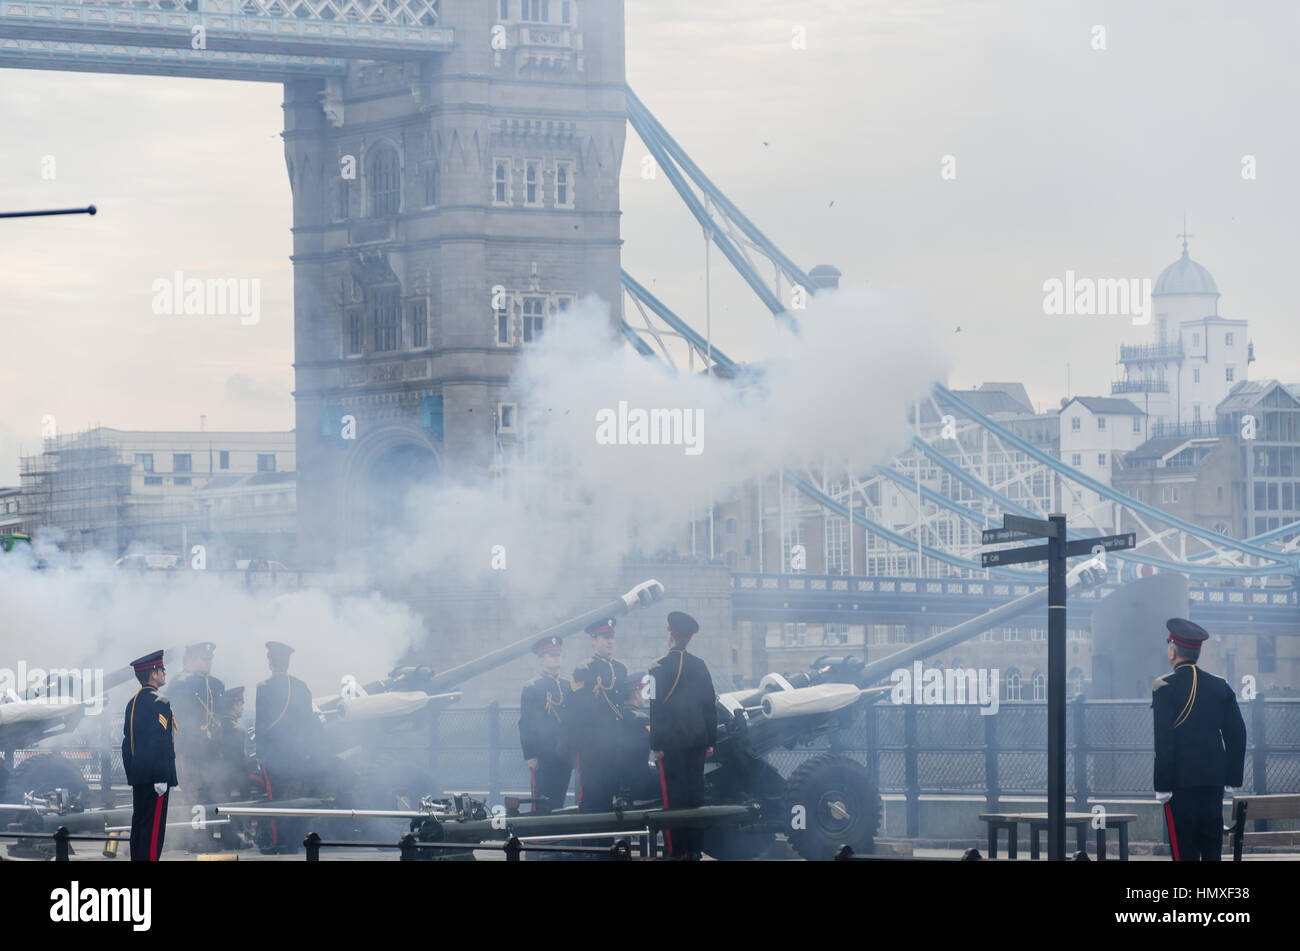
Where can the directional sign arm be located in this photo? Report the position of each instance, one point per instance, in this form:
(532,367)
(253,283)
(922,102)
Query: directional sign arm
(1085,546)
(1013,556)
(1034,527)
(995,536)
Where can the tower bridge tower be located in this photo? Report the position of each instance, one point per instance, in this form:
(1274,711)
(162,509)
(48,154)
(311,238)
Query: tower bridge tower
(444,211)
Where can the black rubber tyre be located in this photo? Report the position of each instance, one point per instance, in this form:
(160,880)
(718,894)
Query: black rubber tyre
(47,771)
(758,781)
(839,806)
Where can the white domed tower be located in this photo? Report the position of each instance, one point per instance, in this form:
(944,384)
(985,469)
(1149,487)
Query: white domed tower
(1184,291)
(1195,357)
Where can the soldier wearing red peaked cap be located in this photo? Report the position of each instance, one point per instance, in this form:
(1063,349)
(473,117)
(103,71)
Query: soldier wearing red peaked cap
(1200,746)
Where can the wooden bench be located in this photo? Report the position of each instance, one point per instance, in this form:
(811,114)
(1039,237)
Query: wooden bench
(1245,808)
(1037,822)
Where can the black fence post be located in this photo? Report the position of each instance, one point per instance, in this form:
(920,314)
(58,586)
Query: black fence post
(912,779)
(435,751)
(312,842)
(871,732)
(62,847)
(1259,755)
(494,750)
(106,776)
(1081,750)
(991,791)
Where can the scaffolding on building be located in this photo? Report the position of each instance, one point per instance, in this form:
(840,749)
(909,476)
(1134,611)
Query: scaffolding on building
(80,486)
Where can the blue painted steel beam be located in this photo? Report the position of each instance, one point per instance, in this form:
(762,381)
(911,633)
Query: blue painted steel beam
(644,122)
(73,24)
(814,598)
(660,152)
(1285,564)
(139,61)
(641,346)
(902,541)
(937,498)
(672,320)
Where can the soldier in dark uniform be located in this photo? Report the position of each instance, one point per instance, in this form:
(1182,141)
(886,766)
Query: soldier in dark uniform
(286,727)
(683,728)
(1200,741)
(232,746)
(230,779)
(640,778)
(196,697)
(543,729)
(599,687)
(149,758)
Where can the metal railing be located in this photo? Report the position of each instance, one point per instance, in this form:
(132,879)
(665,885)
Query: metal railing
(1167,350)
(914,750)
(1138,386)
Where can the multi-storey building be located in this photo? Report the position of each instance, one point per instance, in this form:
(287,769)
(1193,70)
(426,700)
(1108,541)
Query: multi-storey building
(111,489)
(11,510)
(1096,433)
(1194,356)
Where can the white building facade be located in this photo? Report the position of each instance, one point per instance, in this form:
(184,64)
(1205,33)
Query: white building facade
(1096,432)
(1193,357)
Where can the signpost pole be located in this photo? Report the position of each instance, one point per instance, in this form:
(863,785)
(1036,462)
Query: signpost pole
(1056,691)
(1055,553)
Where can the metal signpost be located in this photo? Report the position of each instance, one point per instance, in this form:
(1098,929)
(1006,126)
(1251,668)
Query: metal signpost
(1057,549)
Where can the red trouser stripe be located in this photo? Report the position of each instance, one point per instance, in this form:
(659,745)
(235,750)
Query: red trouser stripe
(579,781)
(663,787)
(157,815)
(1173,837)
(532,784)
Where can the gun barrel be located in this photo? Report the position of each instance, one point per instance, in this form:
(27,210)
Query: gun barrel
(647,592)
(880,669)
(288,813)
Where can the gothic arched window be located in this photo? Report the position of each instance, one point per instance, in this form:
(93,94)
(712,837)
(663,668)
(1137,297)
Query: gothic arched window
(385,182)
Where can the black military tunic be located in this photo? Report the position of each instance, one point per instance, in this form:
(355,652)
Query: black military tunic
(232,758)
(149,757)
(684,724)
(197,698)
(543,736)
(598,732)
(286,730)
(1200,747)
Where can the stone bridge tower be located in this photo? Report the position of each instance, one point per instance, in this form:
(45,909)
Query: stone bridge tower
(418,189)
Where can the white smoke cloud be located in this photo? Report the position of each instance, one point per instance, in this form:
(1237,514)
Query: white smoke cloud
(87,613)
(835,392)
(573,511)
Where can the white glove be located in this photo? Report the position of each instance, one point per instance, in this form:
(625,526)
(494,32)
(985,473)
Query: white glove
(1227,790)
(1164,796)
(160,788)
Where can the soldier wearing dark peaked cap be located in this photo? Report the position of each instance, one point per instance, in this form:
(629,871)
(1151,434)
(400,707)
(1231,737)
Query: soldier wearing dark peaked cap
(285,729)
(1200,746)
(233,744)
(544,715)
(683,728)
(599,687)
(196,697)
(149,758)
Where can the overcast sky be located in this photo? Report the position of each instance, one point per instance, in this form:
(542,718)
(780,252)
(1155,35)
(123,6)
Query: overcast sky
(1067,158)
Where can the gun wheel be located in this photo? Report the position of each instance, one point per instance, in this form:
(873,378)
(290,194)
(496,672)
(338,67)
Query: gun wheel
(737,782)
(831,801)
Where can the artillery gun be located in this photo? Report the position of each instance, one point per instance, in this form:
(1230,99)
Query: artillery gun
(829,801)
(353,723)
(382,731)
